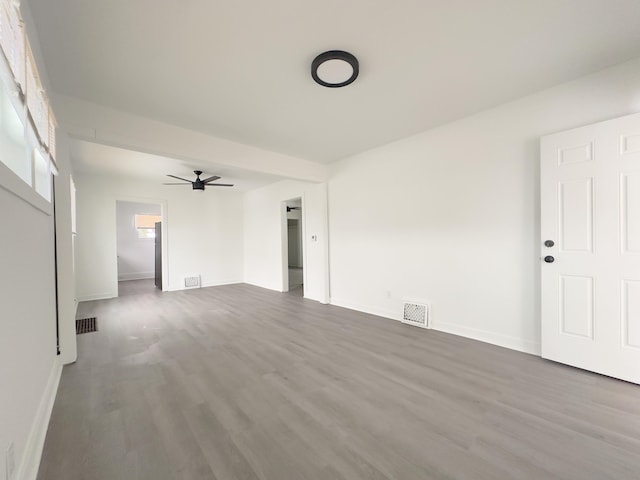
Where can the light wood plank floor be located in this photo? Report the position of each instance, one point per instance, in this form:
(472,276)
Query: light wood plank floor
(137,287)
(238,382)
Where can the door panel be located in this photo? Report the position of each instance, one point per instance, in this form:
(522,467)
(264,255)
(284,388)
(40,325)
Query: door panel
(630,218)
(631,313)
(576,306)
(590,209)
(579,154)
(629,143)
(576,215)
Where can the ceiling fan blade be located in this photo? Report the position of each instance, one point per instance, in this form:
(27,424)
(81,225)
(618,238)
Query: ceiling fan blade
(211,179)
(174,184)
(179,178)
(219,184)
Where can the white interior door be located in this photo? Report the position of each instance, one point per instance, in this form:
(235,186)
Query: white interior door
(590,210)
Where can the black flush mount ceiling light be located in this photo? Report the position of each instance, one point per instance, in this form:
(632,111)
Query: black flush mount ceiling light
(334,69)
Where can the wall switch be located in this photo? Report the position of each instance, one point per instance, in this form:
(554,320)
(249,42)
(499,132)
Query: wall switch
(10,461)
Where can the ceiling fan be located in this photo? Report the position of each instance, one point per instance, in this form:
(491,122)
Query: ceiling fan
(199,184)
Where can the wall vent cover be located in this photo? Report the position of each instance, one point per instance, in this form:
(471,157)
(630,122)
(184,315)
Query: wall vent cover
(192,282)
(416,313)
(86,325)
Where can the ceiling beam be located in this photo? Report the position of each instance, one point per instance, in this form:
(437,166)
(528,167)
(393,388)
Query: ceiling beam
(96,123)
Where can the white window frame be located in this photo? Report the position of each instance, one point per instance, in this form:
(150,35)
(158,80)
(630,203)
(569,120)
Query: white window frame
(9,180)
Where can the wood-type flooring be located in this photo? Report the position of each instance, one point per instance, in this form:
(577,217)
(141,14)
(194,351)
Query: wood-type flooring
(238,382)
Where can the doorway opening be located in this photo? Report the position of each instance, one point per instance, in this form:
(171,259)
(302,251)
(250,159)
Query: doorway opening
(293,251)
(139,247)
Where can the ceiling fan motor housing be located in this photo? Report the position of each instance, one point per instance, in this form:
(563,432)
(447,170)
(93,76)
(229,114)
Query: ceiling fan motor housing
(198,184)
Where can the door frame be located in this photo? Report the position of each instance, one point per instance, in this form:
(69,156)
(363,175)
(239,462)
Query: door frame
(164,229)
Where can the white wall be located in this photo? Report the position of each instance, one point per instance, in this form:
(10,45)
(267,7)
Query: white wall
(265,234)
(203,233)
(451,215)
(136,256)
(29,367)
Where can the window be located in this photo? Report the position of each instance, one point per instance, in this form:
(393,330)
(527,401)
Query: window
(42,174)
(13,144)
(146,225)
(27,124)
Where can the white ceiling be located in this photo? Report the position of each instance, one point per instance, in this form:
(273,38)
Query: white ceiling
(240,70)
(96,159)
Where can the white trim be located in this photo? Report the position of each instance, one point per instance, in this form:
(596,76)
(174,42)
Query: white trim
(487,336)
(15,185)
(265,286)
(28,469)
(218,284)
(164,231)
(124,277)
(326,300)
(96,296)
(205,285)
(379,312)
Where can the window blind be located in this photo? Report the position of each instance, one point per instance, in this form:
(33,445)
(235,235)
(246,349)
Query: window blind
(36,100)
(19,55)
(52,134)
(12,41)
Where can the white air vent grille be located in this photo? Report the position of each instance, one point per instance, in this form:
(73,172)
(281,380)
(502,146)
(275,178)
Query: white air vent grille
(192,282)
(416,313)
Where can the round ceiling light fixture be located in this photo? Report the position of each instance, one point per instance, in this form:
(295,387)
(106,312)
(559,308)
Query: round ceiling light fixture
(334,69)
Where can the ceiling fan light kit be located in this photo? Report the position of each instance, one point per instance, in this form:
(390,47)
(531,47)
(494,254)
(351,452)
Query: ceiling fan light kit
(198,184)
(335,68)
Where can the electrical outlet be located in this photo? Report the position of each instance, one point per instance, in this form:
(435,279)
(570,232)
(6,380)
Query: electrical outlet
(10,461)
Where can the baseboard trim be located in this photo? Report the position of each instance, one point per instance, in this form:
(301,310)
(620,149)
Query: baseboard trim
(204,285)
(96,296)
(379,312)
(279,289)
(125,277)
(486,336)
(266,287)
(221,284)
(28,469)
